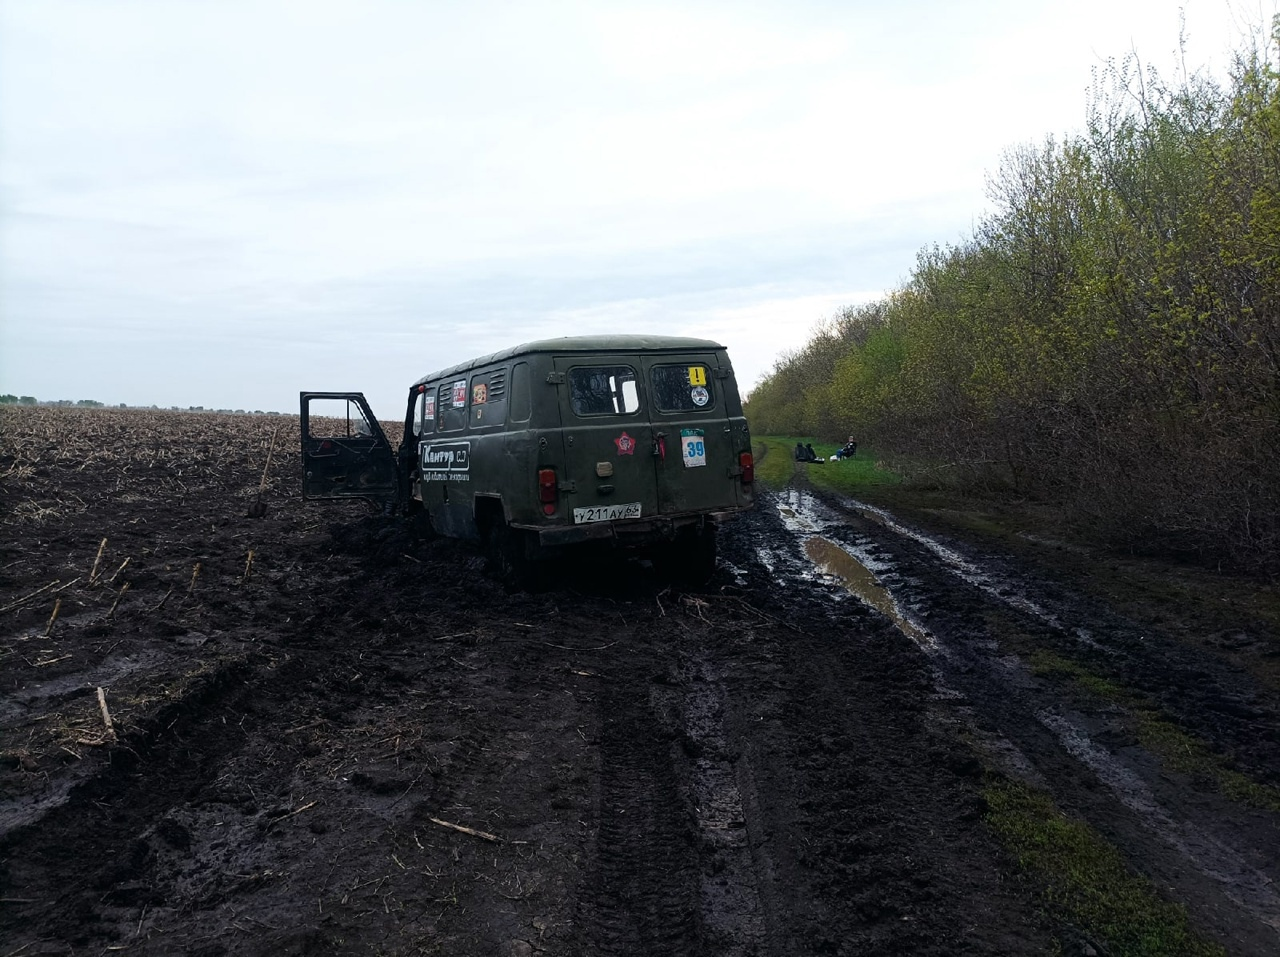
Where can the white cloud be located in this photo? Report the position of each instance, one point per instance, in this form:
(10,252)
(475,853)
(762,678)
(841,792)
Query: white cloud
(185,177)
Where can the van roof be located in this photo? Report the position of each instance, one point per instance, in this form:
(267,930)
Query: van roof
(618,343)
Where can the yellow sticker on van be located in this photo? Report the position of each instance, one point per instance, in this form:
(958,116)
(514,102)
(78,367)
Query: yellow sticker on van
(697,375)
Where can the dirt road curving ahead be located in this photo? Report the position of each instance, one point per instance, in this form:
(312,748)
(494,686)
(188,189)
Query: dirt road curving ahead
(329,736)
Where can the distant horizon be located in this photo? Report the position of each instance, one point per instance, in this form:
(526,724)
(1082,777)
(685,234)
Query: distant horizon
(146,407)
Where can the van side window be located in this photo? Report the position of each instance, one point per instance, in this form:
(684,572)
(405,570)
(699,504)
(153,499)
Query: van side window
(451,406)
(489,399)
(428,413)
(603,390)
(521,406)
(681,388)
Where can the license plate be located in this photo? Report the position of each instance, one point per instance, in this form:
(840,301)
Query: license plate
(606,513)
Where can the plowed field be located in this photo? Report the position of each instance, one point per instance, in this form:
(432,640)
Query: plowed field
(315,732)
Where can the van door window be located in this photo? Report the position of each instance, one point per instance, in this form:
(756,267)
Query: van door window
(489,399)
(451,406)
(685,387)
(338,416)
(603,390)
(419,404)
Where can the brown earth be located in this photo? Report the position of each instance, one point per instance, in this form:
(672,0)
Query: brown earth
(332,736)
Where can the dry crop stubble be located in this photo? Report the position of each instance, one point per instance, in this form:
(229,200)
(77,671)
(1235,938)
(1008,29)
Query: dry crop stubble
(104,515)
(317,730)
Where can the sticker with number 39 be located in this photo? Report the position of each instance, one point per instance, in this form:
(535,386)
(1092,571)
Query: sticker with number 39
(693,448)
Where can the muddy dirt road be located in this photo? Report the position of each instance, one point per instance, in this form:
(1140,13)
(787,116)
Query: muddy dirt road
(329,736)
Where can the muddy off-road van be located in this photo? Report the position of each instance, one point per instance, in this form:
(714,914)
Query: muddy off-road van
(623,441)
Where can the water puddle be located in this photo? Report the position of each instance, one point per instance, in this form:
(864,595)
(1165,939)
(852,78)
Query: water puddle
(852,567)
(861,582)
(1003,591)
(802,513)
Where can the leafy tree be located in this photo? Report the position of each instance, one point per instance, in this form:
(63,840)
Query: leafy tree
(1108,338)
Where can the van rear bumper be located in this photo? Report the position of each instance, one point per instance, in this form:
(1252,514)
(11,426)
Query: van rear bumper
(629,532)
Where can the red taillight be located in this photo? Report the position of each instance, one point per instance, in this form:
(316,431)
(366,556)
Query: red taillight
(547,489)
(748,465)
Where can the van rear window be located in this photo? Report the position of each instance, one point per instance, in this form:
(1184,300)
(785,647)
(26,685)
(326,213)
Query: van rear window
(681,388)
(603,390)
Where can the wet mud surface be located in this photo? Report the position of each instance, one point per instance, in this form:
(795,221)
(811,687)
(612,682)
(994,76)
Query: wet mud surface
(329,735)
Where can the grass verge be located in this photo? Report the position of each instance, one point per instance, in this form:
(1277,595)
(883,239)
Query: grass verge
(1086,880)
(848,476)
(1229,614)
(1177,750)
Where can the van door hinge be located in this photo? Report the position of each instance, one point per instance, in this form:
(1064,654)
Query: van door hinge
(721,373)
(555,378)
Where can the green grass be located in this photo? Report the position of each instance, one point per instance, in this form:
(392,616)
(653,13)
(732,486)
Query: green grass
(1086,880)
(774,465)
(849,476)
(1176,749)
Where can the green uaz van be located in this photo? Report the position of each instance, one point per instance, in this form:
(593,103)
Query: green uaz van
(626,441)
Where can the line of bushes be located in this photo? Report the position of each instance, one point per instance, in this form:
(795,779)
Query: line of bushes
(1109,336)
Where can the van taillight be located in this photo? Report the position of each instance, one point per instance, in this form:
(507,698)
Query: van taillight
(547,489)
(748,465)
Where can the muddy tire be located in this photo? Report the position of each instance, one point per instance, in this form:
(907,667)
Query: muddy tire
(690,560)
(507,558)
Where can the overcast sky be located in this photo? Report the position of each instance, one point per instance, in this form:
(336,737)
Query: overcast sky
(221,203)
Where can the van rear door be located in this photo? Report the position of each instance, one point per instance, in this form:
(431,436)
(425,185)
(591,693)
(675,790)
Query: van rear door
(609,448)
(345,453)
(647,435)
(689,413)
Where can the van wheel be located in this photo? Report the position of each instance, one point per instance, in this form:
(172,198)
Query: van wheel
(690,559)
(506,559)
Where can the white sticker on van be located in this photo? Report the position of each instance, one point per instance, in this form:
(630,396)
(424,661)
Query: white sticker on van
(699,395)
(693,447)
(446,462)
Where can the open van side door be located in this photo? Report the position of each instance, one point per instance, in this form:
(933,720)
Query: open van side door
(345,453)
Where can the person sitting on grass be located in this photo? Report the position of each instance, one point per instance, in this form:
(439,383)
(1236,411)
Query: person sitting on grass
(800,454)
(850,449)
(811,455)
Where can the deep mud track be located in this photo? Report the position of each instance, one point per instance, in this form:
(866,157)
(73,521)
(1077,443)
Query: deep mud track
(352,742)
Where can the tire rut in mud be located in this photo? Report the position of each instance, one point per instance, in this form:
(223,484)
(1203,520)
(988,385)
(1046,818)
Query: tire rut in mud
(736,877)
(642,892)
(762,767)
(982,614)
(869,806)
